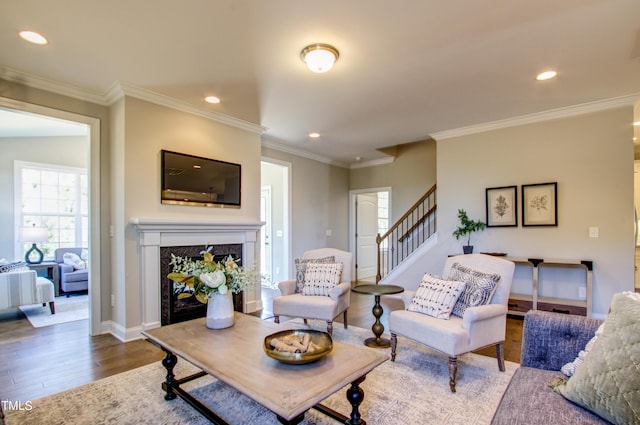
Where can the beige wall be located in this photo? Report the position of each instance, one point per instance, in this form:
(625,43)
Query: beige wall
(591,159)
(410,175)
(320,202)
(149,128)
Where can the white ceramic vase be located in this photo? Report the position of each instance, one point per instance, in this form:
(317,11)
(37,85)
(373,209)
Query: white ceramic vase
(220,311)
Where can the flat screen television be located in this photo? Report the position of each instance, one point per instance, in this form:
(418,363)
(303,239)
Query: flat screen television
(193,180)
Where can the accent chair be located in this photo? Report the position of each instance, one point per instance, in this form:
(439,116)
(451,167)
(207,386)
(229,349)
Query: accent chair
(71,278)
(480,326)
(294,303)
(18,288)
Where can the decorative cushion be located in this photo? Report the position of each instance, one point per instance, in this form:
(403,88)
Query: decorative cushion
(570,368)
(13,267)
(608,380)
(436,297)
(320,278)
(301,267)
(479,287)
(74,260)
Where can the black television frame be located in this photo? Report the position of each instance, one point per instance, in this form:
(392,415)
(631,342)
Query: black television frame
(172,196)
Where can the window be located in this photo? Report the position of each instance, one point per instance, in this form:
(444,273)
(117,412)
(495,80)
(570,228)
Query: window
(54,197)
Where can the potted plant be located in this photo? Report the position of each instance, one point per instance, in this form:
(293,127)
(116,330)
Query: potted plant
(467,226)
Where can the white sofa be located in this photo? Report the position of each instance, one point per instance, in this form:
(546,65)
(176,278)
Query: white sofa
(25,287)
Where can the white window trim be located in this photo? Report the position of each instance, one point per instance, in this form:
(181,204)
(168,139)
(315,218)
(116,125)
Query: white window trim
(18,166)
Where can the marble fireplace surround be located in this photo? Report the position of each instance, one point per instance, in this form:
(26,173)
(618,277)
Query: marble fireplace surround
(156,233)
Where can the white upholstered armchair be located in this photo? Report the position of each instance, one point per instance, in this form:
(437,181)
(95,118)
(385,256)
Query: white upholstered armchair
(293,303)
(480,326)
(18,288)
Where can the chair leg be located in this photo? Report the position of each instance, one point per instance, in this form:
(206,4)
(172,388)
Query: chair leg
(344,315)
(52,308)
(276,319)
(330,327)
(453,372)
(394,343)
(500,355)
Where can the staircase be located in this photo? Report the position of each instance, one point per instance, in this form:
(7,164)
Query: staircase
(408,234)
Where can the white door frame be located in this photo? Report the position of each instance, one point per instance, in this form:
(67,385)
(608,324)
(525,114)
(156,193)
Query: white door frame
(266,257)
(353,195)
(285,261)
(95,313)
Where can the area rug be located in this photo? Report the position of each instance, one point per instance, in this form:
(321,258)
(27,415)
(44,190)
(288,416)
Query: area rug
(413,389)
(68,309)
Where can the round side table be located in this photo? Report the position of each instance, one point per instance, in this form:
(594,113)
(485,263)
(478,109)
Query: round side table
(378,327)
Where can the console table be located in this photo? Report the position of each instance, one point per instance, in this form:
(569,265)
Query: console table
(519,304)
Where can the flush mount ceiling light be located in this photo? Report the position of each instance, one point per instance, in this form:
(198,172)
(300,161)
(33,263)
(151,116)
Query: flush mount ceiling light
(33,37)
(319,57)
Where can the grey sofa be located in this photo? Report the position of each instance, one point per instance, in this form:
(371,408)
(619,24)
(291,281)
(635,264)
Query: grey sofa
(549,341)
(71,280)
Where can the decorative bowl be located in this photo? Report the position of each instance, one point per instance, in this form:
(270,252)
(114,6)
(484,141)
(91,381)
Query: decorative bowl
(321,339)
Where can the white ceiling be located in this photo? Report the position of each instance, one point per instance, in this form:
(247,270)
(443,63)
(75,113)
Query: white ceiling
(407,70)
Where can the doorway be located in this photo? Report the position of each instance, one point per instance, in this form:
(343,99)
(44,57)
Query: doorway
(275,212)
(369,217)
(93,195)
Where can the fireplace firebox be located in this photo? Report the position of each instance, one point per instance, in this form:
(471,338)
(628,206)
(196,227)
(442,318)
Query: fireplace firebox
(174,310)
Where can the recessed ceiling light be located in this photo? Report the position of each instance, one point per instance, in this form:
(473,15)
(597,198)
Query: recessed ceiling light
(33,37)
(314,135)
(212,99)
(636,123)
(546,75)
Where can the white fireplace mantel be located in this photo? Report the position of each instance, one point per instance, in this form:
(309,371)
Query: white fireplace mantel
(155,233)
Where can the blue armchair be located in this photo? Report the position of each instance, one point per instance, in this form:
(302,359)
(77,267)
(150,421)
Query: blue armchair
(71,279)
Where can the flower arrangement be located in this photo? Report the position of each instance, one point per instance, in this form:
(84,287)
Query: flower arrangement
(202,278)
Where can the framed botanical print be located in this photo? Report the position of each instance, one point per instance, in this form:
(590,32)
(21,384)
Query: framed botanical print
(540,204)
(501,206)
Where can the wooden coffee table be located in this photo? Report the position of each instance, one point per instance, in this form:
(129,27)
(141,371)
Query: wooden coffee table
(236,357)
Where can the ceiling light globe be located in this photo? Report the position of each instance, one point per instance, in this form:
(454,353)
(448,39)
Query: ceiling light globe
(319,58)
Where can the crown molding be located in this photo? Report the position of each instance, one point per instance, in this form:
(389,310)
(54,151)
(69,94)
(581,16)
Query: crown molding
(123,89)
(372,163)
(57,87)
(554,114)
(282,147)
(119,90)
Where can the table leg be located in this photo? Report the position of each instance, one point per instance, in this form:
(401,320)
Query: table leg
(377,328)
(355,396)
(169,362)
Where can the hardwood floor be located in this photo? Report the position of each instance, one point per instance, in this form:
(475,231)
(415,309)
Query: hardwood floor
(37,362)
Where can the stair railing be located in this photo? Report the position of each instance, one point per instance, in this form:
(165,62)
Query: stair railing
(407,234)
